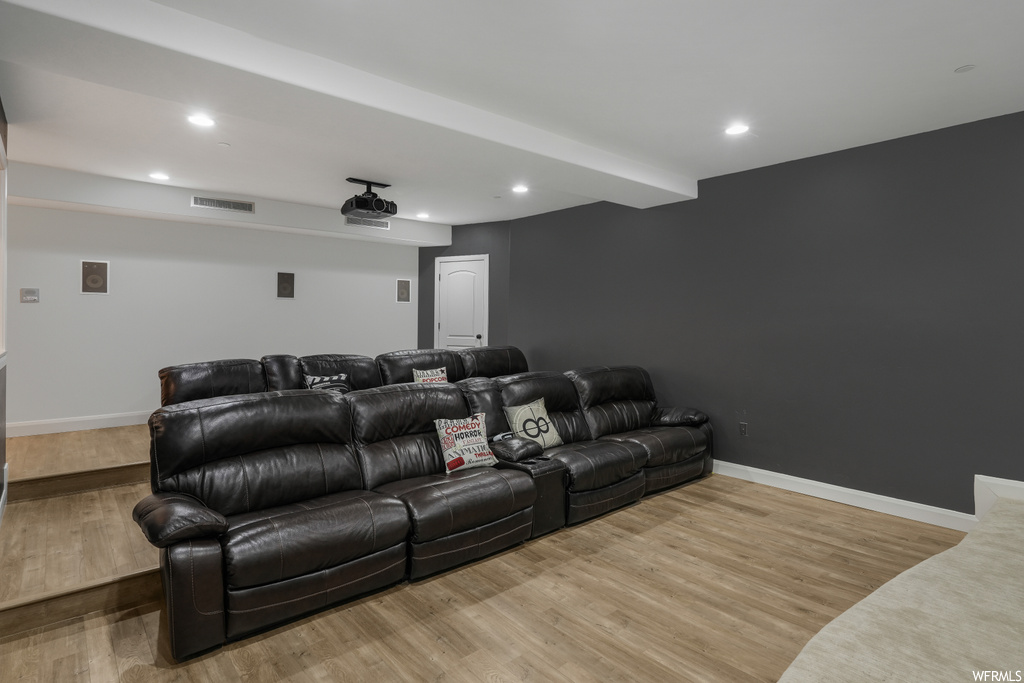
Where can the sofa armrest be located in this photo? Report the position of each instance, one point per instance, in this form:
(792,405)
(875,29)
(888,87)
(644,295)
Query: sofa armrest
(535,468)
(516,449)
(674,417)
(167,518)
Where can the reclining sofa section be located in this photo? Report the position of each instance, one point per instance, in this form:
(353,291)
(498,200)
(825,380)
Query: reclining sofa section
(456,517)
(260,514)
(263,509)
(192,381)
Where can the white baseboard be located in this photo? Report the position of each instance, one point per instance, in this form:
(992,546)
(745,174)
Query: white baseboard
(987,489)
(949,519)
(74,424)
(3,497)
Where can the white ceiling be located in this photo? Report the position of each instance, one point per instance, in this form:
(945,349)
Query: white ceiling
(453,102)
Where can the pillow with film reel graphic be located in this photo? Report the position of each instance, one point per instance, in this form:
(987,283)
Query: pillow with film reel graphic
(531,421)
(464,443)
(337,383)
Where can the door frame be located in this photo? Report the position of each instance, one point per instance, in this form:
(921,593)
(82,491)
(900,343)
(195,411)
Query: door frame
(437,291)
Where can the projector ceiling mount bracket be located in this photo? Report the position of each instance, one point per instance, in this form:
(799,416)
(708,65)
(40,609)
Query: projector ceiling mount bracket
(369,184)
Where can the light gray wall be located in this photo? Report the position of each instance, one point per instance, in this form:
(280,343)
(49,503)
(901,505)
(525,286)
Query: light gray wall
(180,293)
(862,310)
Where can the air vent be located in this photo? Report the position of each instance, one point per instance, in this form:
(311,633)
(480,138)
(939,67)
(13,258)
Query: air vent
(223,204)
(367,222)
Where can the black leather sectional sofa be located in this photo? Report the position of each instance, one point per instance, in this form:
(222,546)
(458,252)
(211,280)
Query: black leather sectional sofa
(271,503)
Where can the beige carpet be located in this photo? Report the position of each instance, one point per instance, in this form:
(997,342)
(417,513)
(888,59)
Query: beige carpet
(957,613)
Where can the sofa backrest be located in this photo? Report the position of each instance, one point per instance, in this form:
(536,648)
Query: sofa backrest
(559,396)
(286,372)
(394,432)
(483,396)
(492,361)
(614,400)
(243,453)
(396,366)
(192,381)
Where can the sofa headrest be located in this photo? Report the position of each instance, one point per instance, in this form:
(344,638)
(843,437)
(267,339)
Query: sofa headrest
(614,400)
(283,372)
(555,388)
(192,381)
(286,372)
(361,370)
(483,396)
(492,361)
(397,410)
(599,384)
(560,400)
(396,366)
(189,435)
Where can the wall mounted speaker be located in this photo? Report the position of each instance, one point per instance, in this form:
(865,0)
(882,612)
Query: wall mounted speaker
(286,285)
(95,277)
(404,291)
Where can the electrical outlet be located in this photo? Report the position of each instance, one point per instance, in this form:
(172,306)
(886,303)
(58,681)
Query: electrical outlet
(743,428)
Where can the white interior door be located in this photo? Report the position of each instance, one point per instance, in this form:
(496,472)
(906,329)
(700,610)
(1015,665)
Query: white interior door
(460,299)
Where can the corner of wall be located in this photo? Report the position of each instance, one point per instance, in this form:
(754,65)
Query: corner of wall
(988,489)
(3,498)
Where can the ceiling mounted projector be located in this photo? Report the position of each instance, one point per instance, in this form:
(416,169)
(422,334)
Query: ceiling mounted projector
(368,204)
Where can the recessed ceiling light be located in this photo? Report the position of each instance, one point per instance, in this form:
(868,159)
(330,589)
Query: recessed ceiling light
(964,69)
(423,215)
(201,120)
(520,188)
(157,175)
(737,129)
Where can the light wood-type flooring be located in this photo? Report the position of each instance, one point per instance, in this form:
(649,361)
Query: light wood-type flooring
(720,580)
(64,542)
(47,455)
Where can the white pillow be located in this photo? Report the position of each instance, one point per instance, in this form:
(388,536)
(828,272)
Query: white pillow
(464,443)
(531,421)
(429,376)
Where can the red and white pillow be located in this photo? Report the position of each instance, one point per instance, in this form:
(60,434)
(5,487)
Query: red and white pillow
(464,443)
(429,376)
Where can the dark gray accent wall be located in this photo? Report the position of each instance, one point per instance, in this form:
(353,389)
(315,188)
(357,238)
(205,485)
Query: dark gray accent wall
(484,238)
(862,311)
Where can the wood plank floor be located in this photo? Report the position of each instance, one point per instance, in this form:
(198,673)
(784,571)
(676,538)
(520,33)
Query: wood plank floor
(721,580)
(46,455)
(63,542)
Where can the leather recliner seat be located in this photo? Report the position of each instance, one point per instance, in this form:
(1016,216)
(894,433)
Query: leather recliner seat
(456,517)
(260,514)
(602,474)
(396,366)
(482,396)
(619,405)
(287,372)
